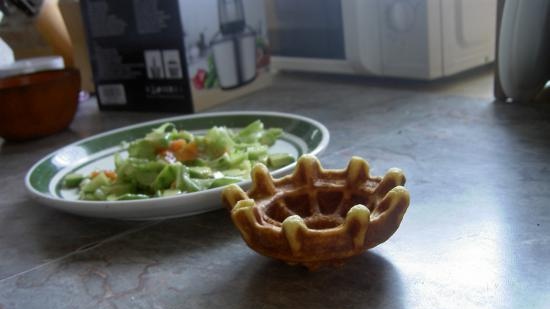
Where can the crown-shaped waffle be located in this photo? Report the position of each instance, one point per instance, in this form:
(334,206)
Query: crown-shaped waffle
(318,217)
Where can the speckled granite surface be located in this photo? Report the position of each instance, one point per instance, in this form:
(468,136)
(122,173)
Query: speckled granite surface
(477,233)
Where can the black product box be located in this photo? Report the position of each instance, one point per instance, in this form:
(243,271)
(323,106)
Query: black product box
(175,55)
(137,53)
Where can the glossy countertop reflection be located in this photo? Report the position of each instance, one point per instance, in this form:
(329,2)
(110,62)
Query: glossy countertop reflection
(476,234)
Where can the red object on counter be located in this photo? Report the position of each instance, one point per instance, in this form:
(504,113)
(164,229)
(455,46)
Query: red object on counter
(199,79)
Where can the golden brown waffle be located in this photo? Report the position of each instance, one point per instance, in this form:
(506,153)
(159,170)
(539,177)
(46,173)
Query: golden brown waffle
(318,217)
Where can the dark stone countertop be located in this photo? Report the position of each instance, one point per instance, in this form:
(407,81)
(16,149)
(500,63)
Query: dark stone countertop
(477,233)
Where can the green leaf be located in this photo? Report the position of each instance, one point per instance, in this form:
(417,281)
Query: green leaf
(96,182)
(224,181)
(165,178)
(270,136)
(72,180)
(218,141)
(143,149)
(251,133)
(278,160)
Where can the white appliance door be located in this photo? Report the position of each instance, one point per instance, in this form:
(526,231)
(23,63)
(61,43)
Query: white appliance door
(468,34)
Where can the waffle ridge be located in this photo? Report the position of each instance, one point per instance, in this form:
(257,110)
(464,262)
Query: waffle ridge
(316,217)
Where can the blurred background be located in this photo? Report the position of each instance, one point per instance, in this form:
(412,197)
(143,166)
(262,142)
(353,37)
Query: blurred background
(192,55)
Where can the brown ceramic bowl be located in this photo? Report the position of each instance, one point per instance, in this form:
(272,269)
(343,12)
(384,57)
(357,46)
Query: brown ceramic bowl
(38,104)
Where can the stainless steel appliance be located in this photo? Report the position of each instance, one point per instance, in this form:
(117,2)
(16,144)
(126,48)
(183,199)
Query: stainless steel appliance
(234,46)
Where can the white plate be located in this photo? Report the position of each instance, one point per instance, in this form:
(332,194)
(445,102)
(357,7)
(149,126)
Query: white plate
(43,181)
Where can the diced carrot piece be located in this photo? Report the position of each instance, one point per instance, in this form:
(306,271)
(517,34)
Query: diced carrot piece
(110,174)
(177,145)
(179,150)
(188,153)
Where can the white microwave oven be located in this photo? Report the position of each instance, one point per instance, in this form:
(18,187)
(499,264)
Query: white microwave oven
(418,39)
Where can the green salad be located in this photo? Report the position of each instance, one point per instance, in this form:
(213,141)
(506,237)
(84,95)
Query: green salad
(168,161)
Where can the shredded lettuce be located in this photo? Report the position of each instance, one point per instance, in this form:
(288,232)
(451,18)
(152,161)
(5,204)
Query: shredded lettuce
(168,162)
